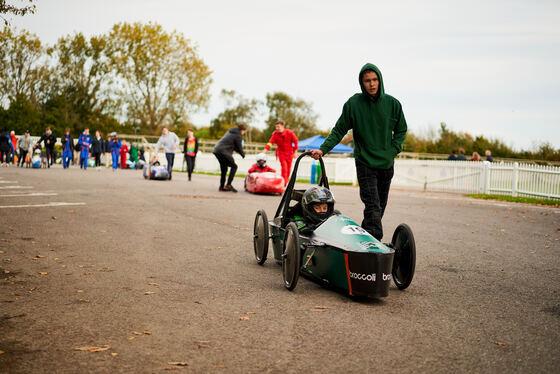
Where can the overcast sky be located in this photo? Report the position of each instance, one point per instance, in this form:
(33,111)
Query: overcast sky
(485,67)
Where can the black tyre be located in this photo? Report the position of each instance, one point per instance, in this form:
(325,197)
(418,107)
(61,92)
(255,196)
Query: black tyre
(404,261)
(260,237)
(291,258)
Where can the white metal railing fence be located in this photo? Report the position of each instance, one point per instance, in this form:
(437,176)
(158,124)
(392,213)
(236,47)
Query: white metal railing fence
(431,175)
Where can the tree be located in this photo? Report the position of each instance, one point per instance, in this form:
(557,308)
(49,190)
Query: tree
(83,77)
(161,75)
(22,67)
(238,110)
(297,114)
(6,8)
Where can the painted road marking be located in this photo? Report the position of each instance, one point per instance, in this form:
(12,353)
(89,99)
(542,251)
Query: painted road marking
(30,194)
(8,182)
(14,187)
(55,204)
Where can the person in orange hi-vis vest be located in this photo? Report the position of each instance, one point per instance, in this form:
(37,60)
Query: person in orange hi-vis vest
(286,147)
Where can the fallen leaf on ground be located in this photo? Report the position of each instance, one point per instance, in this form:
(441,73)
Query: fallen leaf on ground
(39,256)
(136,333)
(251,313)
(245,318)
(131,338)
(93,348)
(152,284)
(53,217)
(149,293)
(114,354)
(222,366)
(6,272)
(43,273)
(16,316)
(501,344)
(2,252)
(178,363)
(197,302)
(172,368)
(84,300)
(147,332)
(88,273)
(1,352)
(102,230)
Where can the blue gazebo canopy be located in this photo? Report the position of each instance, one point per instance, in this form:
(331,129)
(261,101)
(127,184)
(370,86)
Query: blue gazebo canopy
(315,142)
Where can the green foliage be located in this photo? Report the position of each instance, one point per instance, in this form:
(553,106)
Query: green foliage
(160,75)
(238,110)
(517,199)
(298,115)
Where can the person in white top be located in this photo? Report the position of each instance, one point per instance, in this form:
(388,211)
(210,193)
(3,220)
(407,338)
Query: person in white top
(169,141)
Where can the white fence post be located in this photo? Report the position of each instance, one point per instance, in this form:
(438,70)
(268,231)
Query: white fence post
(485,177)
(515,178)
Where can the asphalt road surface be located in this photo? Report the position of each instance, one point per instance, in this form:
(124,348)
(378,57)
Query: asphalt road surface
(105,272)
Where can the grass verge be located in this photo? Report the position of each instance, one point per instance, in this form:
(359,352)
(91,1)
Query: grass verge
(518,199)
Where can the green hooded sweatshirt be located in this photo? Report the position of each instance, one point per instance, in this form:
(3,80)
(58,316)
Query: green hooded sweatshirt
(378,125)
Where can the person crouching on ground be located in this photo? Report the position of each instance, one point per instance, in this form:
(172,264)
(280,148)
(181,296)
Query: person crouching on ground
(231,141)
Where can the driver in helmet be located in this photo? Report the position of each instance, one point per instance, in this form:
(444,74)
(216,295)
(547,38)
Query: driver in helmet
(261,166)
(317,204)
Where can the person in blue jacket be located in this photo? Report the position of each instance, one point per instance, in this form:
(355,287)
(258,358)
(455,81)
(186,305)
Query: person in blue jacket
(67,148)
(85,142)
(115,150)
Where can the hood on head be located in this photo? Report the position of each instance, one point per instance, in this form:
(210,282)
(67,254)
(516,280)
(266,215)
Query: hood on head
(369,66)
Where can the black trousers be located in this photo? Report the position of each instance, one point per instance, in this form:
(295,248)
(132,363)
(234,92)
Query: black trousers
(97,157)
(374,192)
(22,156)
(225,162)
(170,159)
(190,165)
(50,156)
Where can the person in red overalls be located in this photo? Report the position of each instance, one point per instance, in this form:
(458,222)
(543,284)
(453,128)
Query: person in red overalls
(124,151)
(287,146)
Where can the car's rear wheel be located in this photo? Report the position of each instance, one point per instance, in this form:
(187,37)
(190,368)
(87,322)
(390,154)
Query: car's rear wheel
(404,261)
(291,257)
(260,237)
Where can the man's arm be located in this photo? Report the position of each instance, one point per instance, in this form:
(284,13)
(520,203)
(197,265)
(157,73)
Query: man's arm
(295,142)
(237,144)
(337,133)
(158,145)
(399,132)
(271,141)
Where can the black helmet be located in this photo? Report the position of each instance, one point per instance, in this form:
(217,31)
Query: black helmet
(317,195)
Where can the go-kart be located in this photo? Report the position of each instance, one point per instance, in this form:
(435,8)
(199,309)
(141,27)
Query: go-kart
(264,183)
(156,171)
(338,253)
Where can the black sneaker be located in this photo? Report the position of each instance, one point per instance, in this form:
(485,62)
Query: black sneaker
(223,189)
(231,188)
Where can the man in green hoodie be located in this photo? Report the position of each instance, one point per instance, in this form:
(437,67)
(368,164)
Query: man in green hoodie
(379,128)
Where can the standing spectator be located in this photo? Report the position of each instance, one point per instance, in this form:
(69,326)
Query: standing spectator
(6,147)
(14,144)
(115,149)
(107,151)
(169,141)
(488,155)
(67,148)
(124,150)
(133,153)
(286,148)
(379,129)
(85,143)
(461,156)
(50,140)
(190,149)
(475,157)
(231,141)
(453,155)
(97,147)
(24,147)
